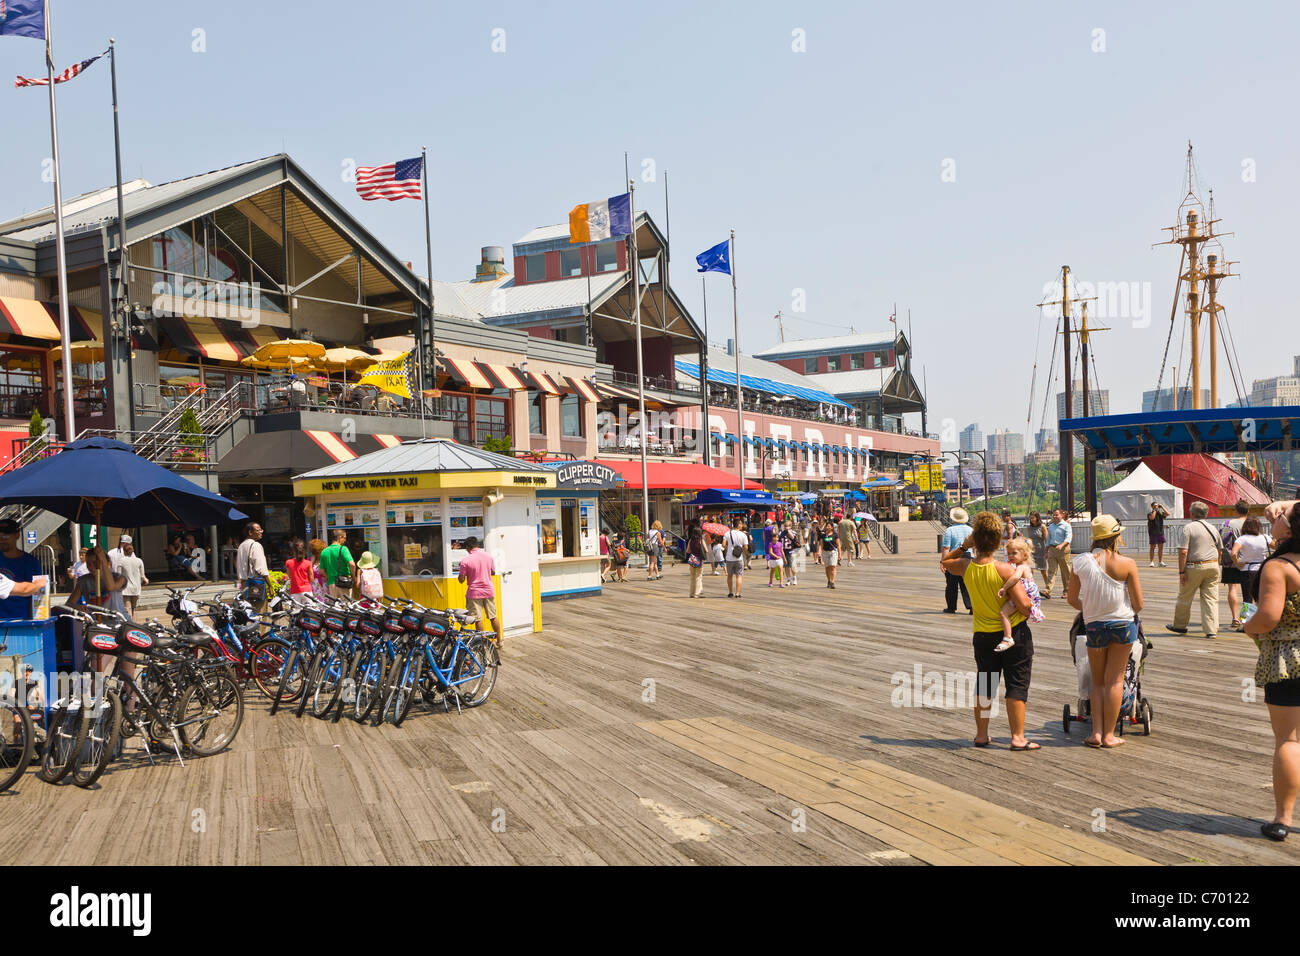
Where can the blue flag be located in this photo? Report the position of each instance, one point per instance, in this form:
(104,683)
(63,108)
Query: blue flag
(22,18)
(717,259)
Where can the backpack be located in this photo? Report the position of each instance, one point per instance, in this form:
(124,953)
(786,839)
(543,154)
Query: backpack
(620,553)
(372,584)
(1228,537)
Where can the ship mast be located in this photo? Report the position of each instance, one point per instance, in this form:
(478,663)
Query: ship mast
(1192,231)
(1217,269)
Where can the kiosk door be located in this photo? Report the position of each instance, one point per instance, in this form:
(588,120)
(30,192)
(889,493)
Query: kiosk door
(512,541)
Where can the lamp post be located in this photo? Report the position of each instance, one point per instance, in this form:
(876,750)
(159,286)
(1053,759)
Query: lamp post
(957,455)
(984,464)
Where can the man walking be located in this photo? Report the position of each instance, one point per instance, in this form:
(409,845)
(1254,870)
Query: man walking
(340,570)
(735,546)
(1059,537)
(1198,572)
(476,570)
(953,538)
(250,567)
(131,567)
(848,544)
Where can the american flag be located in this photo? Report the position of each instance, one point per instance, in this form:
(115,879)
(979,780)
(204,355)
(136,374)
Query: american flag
(399,180)
(69,73)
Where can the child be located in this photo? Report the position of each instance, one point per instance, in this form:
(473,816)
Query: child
(1018,554)
(716,555)
(775,561)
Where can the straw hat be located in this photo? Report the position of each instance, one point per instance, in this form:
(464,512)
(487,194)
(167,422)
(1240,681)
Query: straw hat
(368,561)
(959,515)
(1104,527)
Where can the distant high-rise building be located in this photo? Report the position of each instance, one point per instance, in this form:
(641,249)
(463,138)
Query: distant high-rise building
(971,438)
(1279,390)
(1164,400)
(1045,440)
(1006,448)
(1098,403)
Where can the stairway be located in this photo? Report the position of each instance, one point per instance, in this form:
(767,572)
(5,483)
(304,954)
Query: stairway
(916,537)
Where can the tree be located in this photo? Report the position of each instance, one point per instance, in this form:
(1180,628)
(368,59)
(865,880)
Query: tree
(36,427)
(191,443)
(500,445)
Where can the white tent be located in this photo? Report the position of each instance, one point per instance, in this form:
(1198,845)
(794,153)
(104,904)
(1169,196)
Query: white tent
(1130,500)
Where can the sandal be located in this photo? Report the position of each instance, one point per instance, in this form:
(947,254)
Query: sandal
(1275,831)
(1029,745)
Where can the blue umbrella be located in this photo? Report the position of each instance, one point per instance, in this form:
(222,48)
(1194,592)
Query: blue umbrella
(102,481)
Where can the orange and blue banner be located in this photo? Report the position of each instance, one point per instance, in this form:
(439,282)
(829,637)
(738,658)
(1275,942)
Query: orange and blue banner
(593,221)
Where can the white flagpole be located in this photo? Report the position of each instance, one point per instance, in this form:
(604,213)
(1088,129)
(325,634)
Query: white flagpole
(735,315)
(60,260)
(69,418)
(635,266)
(428,253)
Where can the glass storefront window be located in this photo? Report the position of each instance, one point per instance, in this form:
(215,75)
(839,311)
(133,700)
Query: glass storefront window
(414,549)
(536,412)
(490,419)
(570,416)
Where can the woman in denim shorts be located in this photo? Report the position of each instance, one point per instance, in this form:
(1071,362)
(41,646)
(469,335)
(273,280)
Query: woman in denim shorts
(1105,587)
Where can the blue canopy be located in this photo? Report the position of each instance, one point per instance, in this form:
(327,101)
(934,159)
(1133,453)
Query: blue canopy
(1188,431)
(723,377)
(808,497)
(733,496)
(731,439)
(102,481)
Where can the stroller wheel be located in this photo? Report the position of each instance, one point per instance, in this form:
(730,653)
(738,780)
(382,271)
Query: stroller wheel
(1146,718)
(1065,719)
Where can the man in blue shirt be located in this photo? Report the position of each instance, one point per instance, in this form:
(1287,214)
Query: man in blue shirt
(1059,537)
(17,566)
(953,539)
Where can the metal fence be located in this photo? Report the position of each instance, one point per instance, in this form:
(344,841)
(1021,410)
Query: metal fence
(1135,535)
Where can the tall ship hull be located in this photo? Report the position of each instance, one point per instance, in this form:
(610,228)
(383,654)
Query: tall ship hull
(1205,478)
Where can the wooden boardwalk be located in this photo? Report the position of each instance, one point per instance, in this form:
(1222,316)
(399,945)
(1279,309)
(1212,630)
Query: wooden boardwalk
(645,727)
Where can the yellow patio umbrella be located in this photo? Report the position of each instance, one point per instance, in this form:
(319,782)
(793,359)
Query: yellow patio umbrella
(286,353)
(82,352)
(344,359)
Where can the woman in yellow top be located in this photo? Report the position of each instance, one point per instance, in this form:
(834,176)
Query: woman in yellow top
(1275,626)
(984,577)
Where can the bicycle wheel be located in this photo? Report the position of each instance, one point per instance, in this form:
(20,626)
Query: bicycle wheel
(17,742)
(100,742)
(62,742)
(268,663)
(216,707)
(313,679)
(370,679)
(330,685)
(406,685)
(291,681)
(476,671)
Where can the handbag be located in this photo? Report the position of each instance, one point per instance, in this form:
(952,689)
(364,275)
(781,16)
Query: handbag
(693,561)
(343,582)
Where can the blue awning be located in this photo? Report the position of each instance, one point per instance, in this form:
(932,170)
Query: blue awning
(1189,431)
(782,443)
(731,439)
(731,496)
(804,445)
(723,377)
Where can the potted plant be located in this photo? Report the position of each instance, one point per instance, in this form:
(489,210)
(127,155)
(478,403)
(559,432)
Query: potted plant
(190,450)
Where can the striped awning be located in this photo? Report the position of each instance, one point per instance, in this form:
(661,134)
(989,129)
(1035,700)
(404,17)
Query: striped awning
(583,388)
(468,372)
(387,441)
(216,339)
(40,320)
(606,390)
(543,382)
(503,376)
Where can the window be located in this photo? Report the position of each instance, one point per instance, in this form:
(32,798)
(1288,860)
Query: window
(607,257)
(536,412)
(877,360)
(810,366)
(570,262)
(832,363)
(413,548)
(490,419)
(858,360)
(570,417)
(535,268)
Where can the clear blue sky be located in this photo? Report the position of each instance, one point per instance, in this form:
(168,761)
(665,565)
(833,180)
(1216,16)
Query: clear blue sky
(827,163)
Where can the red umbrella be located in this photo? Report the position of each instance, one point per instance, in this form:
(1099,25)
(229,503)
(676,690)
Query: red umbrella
(712,527)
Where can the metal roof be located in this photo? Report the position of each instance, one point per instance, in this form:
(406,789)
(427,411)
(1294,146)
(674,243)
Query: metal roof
(543,233)
(835,344)
(757,375)
(424,454)
(1191,431)
(498,297)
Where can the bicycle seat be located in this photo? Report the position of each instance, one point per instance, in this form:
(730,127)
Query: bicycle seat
(193,640)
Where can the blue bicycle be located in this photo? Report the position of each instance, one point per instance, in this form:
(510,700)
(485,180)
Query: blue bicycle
(457,665)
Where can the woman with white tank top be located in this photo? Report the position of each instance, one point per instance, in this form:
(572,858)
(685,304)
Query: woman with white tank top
(1106,589)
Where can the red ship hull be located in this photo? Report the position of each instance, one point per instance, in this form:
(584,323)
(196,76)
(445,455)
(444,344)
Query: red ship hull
(1204,478)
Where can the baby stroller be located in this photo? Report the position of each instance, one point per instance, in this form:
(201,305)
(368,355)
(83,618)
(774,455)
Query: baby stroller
(1134,708)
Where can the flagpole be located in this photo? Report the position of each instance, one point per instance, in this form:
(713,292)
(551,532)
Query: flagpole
(428,252)
(735,315)
(69,418)
(119,287)
(704,377)
(634,265)
(60,260)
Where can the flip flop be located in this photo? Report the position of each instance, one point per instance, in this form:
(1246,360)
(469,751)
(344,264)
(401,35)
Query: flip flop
(1095,744)
(1028,746)
(979,744)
